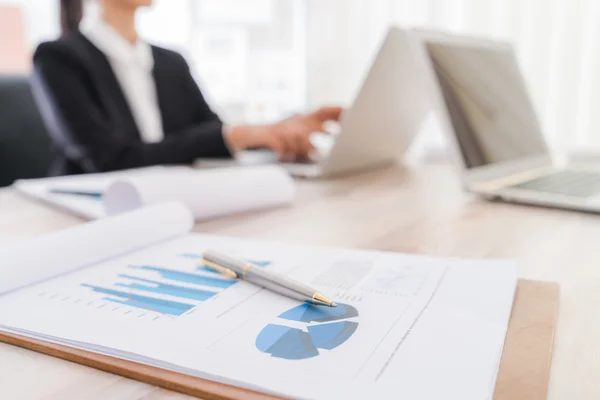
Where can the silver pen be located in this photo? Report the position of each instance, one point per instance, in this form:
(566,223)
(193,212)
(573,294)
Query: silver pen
(239,269)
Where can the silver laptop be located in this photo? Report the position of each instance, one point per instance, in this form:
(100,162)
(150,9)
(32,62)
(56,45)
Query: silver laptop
(379,126)
(384,118)
(481,99)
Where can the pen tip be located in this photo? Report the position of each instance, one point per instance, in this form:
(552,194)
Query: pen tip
(318,298)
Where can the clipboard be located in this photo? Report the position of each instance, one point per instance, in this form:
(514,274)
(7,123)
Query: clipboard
(524,368)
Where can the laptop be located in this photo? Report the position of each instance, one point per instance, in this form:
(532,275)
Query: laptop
(484,108)
(377,129)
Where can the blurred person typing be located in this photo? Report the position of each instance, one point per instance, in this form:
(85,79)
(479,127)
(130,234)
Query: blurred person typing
(114,102)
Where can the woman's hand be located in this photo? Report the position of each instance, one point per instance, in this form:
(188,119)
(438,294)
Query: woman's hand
(290,138)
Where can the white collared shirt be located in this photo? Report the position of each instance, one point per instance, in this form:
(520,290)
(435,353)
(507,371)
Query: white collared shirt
(132,64)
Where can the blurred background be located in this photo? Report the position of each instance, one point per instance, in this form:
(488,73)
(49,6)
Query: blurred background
(260,60)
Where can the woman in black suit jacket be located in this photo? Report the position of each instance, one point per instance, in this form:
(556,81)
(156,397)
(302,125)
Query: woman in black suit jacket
(99,122)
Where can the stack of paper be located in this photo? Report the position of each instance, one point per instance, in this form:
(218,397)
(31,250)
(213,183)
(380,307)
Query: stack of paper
(208,193)
(405,326)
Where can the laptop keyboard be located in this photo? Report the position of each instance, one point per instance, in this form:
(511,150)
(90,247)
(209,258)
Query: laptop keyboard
(569,183)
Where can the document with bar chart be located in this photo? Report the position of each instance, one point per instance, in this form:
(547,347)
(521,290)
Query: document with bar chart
(159,305)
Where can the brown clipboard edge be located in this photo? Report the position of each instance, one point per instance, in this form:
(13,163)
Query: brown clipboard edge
(527,355)
(201,388)
(524,368)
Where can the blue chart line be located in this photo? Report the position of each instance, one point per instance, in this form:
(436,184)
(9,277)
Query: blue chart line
(149,303)
(189,278)
(206,269)
(262,264)
(192,256)
(167,289)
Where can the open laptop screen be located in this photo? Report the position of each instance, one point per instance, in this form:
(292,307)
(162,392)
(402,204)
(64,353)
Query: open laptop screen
(490,110)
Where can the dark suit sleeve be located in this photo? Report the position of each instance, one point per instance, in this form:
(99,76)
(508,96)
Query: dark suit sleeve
(100,145)
(201,107)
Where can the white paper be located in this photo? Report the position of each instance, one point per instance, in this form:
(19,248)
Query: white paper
(68,250)
(423,328)
(208,193)
(82,206)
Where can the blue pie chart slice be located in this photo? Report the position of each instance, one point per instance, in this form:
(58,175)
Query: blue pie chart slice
(330,336)
(285,342)
(313,313)
(296,344)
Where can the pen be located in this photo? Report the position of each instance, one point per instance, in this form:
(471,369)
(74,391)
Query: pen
(239,269)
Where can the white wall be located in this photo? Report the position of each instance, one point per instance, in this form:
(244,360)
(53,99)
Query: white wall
(558,44)
(41,19)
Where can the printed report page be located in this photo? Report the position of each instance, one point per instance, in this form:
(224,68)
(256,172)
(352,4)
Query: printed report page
(161,306)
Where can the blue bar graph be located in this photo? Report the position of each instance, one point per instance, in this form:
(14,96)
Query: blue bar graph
(149,303)
(189,278)
(167,289)
(192,256)
(171,284)
(150,307)
(206,269)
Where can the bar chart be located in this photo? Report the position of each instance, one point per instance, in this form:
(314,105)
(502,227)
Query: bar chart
(165,290)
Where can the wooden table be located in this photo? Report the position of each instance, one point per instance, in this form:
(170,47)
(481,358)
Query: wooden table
(420,210)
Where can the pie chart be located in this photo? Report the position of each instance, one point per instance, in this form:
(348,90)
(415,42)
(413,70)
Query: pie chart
(326,329)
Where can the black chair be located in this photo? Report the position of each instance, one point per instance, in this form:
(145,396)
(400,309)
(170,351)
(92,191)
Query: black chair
(25,147)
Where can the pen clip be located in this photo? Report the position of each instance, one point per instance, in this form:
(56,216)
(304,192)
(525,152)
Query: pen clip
(222,270)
